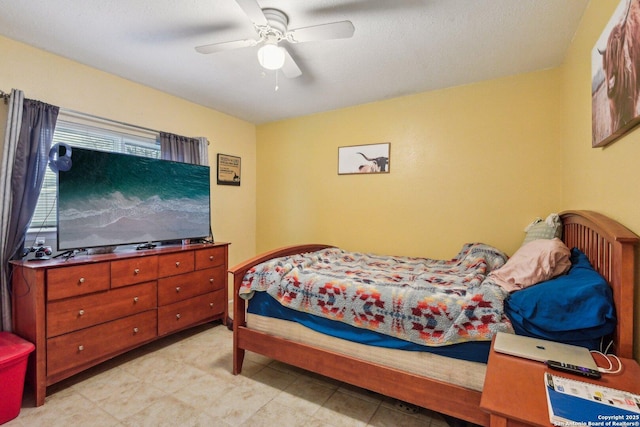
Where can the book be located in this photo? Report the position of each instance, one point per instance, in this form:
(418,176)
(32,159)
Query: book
(572,402)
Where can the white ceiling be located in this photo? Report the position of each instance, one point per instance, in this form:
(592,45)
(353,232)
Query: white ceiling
(399,47)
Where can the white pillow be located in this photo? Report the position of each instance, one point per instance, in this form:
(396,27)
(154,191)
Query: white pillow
(533,263)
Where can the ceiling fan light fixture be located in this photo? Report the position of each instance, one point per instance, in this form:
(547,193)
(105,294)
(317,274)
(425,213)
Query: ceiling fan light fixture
(271,56)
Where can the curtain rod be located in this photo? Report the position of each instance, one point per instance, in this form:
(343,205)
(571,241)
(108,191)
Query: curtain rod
(92,116)
(5,96)
(117,122)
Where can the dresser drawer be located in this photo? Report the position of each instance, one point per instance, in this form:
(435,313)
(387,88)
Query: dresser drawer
(81,312)
(77,280)
(133,270)
(177,288)
(210,257)
(176,263)
(190,312)
(83,347)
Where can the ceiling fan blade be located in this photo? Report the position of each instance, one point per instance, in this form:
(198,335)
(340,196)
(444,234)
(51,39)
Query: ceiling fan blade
(335,30)
(253,10)
(219,47)
(290,69)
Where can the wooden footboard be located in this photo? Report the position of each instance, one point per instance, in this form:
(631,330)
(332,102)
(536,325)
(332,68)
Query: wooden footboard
(239,307)
(609,246)
(425,392)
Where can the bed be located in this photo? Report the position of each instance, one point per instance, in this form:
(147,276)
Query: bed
(449,385)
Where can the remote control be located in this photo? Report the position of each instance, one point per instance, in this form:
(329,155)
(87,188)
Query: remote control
(580,370)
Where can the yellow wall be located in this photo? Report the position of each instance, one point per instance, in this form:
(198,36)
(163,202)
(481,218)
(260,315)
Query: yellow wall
(471,163)
(58,81)
(601,179)
(476,162)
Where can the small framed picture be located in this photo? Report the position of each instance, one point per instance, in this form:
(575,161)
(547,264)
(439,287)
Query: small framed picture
(228,170)
(359,159)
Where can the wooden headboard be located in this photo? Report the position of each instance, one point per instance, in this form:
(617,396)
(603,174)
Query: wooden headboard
(611,249)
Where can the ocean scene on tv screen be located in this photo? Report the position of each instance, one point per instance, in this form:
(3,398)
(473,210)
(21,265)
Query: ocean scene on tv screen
(109,199)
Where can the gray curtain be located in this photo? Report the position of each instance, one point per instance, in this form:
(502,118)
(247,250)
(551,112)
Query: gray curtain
(204,151)
(179,148)
(30,128)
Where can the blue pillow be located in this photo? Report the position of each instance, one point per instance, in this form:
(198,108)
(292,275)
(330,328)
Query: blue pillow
(575,308)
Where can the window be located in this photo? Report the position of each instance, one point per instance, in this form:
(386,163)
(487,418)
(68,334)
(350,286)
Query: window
(79,131)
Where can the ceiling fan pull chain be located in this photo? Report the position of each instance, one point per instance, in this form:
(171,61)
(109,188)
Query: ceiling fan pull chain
(277,87)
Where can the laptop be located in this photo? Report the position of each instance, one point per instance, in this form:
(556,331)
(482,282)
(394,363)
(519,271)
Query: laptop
(542,350)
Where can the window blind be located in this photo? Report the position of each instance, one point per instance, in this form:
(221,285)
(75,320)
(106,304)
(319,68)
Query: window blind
(99,135)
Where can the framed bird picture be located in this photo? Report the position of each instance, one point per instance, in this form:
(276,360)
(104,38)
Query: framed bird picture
(364,159)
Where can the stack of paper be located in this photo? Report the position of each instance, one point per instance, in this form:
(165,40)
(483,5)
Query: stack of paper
(574,402)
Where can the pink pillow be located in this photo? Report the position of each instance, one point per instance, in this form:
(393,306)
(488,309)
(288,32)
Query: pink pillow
(534,262)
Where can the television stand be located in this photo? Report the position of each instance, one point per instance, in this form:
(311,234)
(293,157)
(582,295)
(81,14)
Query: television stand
(84,310)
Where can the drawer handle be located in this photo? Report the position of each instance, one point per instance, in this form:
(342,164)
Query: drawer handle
(136,271)
(81,313)
(81,281)
(177,288)
(177,263)
(211,280)
(135,299)
(178,316)
(80,347)
(135,330)
(210,257)
(211,304)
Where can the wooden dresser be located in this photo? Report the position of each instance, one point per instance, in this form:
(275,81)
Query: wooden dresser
(87,309)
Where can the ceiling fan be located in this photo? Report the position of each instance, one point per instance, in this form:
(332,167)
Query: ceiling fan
(271,26)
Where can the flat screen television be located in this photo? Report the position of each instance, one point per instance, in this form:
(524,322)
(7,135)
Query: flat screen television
(111,199)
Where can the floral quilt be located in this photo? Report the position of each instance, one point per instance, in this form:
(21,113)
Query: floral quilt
(421,300)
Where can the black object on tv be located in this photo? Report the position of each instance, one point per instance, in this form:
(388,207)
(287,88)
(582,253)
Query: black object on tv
(111,199)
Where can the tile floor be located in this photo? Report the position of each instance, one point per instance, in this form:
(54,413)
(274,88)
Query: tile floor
(186,380)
